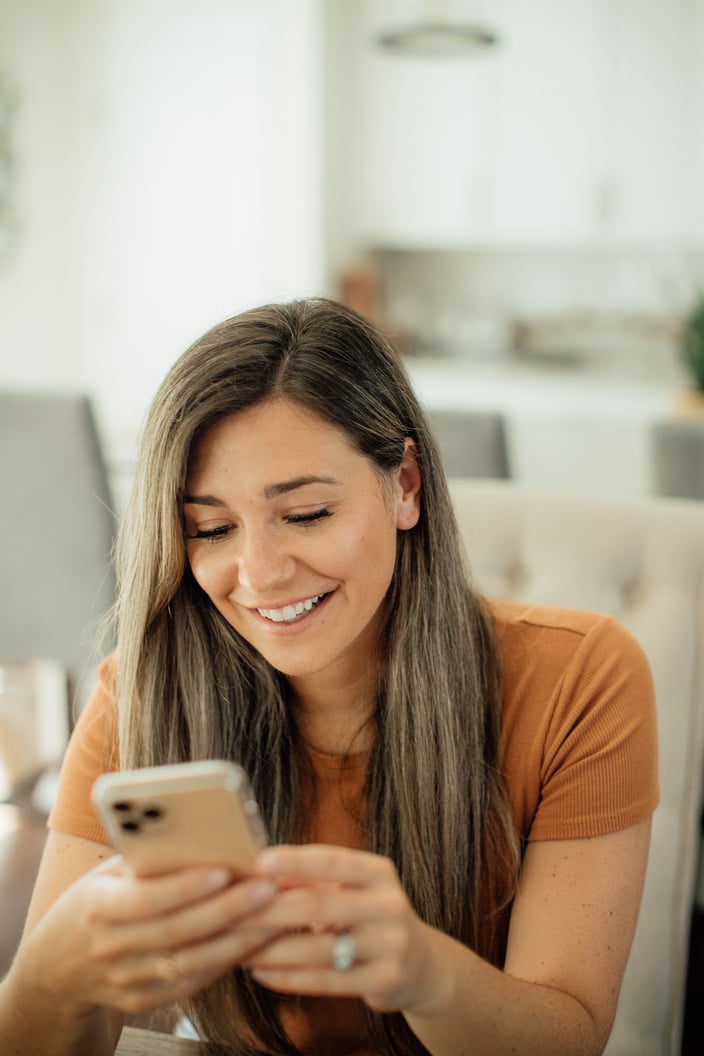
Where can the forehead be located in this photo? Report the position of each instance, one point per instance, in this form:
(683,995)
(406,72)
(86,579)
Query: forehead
(270,437)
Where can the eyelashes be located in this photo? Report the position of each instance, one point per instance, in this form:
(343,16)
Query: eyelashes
(223,530)
(308,518)
(211,533)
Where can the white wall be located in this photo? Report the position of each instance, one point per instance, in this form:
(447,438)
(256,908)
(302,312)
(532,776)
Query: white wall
(169,174)
(38,317)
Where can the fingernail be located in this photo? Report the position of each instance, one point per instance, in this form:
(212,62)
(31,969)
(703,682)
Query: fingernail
(262,891)
(217,878)
(268,861)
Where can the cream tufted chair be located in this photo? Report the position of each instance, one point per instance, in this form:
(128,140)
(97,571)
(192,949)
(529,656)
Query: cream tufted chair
(641,560)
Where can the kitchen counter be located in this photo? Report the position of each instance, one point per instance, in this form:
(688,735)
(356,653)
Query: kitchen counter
(584,426)
(526,386)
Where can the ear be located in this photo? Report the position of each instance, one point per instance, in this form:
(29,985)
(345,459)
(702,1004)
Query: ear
(409,480)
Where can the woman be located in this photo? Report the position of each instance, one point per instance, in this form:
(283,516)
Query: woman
(459,789)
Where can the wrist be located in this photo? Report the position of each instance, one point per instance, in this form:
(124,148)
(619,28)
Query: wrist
(437,980)
(38,994)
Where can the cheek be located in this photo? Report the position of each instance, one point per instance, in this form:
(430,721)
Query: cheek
(209,573)
(377,553)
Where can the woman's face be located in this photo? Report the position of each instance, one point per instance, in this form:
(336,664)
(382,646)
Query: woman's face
(292,535)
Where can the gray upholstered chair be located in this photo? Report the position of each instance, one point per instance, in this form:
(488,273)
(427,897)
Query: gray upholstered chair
(472,443)
(56,535)
(56,531)
(678,457)
(641,560)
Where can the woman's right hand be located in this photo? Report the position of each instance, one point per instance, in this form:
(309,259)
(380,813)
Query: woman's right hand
(112,940)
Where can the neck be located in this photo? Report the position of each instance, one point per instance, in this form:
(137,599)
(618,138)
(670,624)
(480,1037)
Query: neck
(332,717)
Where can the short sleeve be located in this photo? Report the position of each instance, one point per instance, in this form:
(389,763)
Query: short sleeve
(92,750)
(598,771)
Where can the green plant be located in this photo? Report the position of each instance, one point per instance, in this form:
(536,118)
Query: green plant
(693,342)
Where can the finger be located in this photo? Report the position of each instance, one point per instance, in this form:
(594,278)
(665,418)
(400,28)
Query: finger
(311,949)
(223,952)
(118,897)
(329,906)
(314,981)
(321,862)
(305,963)
(142,984)
(189,924)
(171,967)
(319,908)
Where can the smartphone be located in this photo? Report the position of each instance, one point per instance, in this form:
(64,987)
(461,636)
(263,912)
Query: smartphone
(163,818)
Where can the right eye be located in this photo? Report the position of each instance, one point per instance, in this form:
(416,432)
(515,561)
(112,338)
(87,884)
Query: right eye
(212,533)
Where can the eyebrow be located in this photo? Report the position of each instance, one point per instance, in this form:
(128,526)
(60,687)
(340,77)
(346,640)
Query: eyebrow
(271,491)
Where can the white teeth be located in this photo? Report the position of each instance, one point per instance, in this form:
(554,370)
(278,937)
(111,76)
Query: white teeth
(290,612)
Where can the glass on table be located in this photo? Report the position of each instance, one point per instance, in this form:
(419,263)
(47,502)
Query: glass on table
(34,721)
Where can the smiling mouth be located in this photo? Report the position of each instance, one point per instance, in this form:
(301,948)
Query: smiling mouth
(290,613)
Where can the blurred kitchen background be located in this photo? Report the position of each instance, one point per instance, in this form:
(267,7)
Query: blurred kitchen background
(522,211)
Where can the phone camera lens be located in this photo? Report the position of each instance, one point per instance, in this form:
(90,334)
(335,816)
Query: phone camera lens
(152,812)
(130,826)
(122,806)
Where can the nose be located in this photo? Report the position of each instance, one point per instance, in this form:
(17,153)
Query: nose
(264,562)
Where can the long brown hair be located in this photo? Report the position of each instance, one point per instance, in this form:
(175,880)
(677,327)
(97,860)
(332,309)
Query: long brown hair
(190,687)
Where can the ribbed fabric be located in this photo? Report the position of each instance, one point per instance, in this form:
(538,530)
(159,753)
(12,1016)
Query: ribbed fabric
(579,740)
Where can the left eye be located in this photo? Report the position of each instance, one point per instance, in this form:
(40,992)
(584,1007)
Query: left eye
(308,518)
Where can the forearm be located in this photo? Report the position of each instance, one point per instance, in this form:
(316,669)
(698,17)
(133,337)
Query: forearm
(477,1009)
(32,1025)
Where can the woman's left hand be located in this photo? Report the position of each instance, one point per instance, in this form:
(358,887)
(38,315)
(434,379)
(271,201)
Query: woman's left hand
(335,902)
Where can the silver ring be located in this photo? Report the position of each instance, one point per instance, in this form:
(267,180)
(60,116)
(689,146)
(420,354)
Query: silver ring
(166,970)
(344,950)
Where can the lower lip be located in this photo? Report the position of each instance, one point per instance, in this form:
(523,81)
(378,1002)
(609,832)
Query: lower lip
(284,628)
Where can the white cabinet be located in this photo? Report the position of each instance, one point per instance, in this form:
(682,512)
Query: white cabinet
(652,115)
(566,431)
(585,123)
(424,172)
(547,141)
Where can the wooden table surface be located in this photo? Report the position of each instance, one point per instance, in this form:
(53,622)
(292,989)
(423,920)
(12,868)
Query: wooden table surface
(22,836)
(134,1042)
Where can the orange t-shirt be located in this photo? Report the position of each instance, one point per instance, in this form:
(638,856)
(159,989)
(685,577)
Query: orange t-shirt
(578,750)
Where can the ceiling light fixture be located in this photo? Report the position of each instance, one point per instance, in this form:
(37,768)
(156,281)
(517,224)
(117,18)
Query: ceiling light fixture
(438,39)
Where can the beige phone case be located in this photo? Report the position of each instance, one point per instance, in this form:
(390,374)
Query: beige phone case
(163,818)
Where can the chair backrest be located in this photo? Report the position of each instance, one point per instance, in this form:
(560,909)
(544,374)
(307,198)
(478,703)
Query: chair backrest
(642,560)
(472,443)
(56,531)
(678,457)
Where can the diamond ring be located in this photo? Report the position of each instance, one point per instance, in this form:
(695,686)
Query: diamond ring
(343,951)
